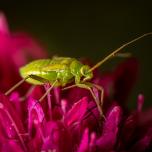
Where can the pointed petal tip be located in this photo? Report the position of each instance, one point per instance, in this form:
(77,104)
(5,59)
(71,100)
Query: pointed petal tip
(76,113)
(116,110)
(140,102)
(3,24)
(1,106)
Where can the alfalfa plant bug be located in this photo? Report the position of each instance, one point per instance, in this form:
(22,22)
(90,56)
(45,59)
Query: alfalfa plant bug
(59,71)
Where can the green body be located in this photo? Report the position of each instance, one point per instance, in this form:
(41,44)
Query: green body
(62,69)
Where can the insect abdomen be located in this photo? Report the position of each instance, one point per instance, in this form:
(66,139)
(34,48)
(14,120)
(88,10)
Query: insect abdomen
(34,68)
(51,70)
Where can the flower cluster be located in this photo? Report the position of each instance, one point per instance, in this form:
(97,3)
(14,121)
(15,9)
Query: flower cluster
(68,121)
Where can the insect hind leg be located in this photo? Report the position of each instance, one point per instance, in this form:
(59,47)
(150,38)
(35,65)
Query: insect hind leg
(16,86)
(100,88)
(99,103)
(23,80)
(38,78)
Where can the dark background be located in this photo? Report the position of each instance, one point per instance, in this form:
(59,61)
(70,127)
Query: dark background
(88,29)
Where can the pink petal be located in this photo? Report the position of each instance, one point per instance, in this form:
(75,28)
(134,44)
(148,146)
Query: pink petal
(129,130)
(15,100)
(8,110)
(3,24)
(57,137)
(75,94)
(144,143)
(11,123)
(36,114)
(124,78)
(108,139)
(35,122)
(140,102)
(11,146)
(92,142)
(64,104)
(77,112)
(145,118)
(106,81)
(91,118)
(84,145)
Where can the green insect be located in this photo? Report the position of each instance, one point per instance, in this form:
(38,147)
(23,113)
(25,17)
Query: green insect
(60,71)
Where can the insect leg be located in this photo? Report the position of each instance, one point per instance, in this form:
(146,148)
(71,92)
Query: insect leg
(88,86)
(92,85)
(100,88)
(23,80)
(69,87)
(35,77)
(16,85)
(45,94)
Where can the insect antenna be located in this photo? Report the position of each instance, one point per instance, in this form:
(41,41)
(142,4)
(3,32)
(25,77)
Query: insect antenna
(115,52)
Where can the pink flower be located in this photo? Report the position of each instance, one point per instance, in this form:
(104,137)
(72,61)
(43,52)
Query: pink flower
(69,121)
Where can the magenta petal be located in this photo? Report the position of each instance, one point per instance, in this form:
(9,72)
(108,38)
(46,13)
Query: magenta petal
(140,102)
(11,123)
(57,137)
(77,112)
(3,24)
(129,128)
(11,146)
(144,143)
(109,137)
(9,113)
(92,144)
(106,81)
(124,79)
(64,104)
(75,94)
(6,123)
(84,145)
(87,143)
(15,100)
(91,118)
(35,122)
(36,114)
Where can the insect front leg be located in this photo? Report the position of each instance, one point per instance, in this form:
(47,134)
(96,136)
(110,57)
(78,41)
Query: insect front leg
(99,88)
(46,93)
(99,103)
(88,86)
(43,80)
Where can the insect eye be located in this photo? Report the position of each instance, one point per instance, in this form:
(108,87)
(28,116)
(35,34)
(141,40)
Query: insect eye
(84,70)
